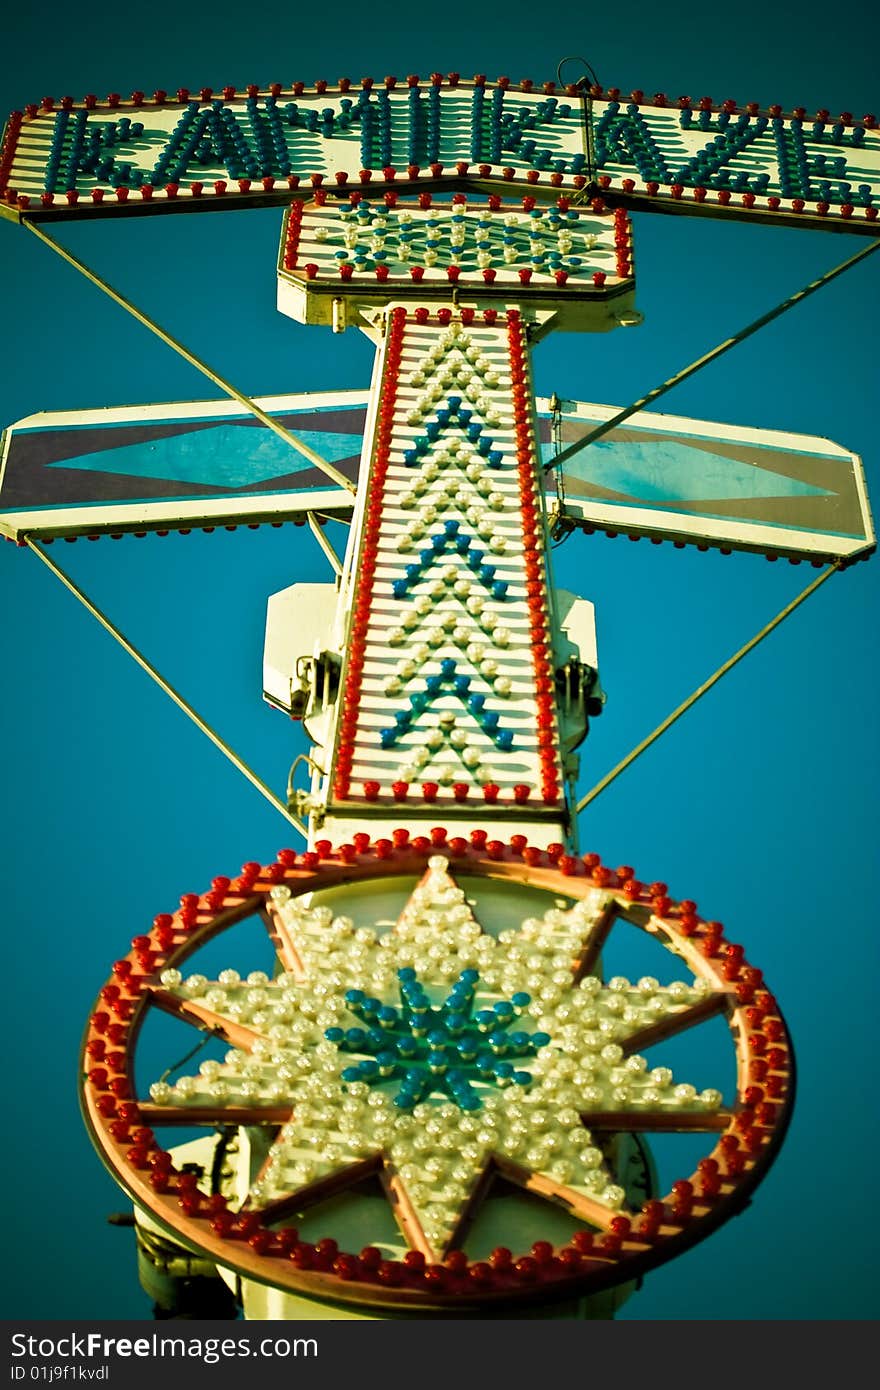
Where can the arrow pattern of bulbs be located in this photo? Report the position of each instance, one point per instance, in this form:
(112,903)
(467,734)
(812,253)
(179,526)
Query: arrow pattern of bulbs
(451,570)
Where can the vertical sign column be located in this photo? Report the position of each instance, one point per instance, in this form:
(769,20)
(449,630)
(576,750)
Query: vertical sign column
(447,695)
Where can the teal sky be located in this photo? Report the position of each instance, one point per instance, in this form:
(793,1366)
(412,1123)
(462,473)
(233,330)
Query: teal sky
(761,804)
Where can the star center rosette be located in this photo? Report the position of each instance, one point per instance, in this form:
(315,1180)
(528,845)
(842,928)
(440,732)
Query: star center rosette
(436,1060)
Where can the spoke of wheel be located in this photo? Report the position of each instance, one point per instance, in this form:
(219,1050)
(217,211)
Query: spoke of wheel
(706,686)
(214,1115)
(174,695)
(710,356)
(301,1198)
(225,386)
(581,1206)
(674,1023)
(198,1014)
(594,945)
(283,943)
(404,1212)
(659,1121)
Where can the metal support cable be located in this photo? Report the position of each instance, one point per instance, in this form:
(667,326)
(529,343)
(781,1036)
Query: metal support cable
(707,685)
(200,1046)
(711,356)
(226,386)
(323,542)
(200,723)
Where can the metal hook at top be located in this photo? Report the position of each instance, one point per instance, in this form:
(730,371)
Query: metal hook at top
(576,58)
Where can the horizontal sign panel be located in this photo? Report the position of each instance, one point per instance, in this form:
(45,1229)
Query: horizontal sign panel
(206,150)
(691,481)
(207,464)
(494,250)
(176,466)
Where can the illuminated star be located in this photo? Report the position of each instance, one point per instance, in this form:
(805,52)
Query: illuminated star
(435,1055)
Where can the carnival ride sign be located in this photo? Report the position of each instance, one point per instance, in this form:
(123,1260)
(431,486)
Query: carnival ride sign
(196,150)
(436,1056)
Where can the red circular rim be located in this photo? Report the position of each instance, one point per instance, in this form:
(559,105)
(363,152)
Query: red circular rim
(753,1128)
